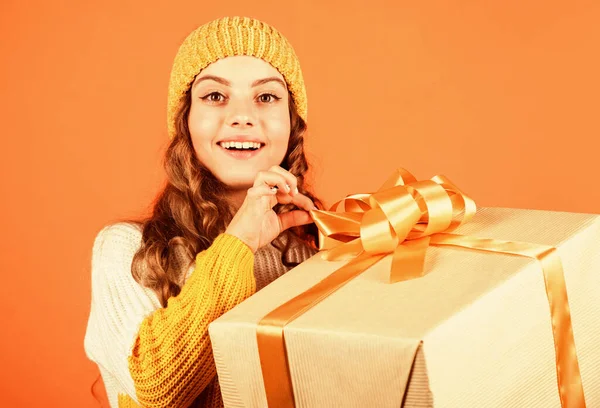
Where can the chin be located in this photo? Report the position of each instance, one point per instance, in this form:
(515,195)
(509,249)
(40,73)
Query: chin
(238,182)
(240,185)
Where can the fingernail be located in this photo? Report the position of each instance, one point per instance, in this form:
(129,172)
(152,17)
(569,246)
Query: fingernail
(287,187)
(296,190)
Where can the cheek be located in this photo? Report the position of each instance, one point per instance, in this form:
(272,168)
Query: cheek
(278,128)
(203,129)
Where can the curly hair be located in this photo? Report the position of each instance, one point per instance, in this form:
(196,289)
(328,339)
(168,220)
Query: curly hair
(192,210)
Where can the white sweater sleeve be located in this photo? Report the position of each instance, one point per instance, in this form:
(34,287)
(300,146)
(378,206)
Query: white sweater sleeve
(119,305)
(160,355)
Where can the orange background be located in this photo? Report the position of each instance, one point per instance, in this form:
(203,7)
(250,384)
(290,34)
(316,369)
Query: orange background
(502,97)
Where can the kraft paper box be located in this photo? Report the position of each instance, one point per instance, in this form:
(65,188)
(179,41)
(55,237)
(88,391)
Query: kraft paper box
(474,331)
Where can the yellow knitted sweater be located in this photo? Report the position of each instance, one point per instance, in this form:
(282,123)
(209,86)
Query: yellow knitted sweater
(161,357)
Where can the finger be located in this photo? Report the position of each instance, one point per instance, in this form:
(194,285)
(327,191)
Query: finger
(291,180)
(272,179)
(261,190)
(293,219)
(302,201)
(264,192)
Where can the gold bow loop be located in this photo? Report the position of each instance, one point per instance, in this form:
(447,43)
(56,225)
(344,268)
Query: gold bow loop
(399,218)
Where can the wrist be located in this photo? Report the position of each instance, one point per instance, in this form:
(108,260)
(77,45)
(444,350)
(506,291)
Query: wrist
(248,242)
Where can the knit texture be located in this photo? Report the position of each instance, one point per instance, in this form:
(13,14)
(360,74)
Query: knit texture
(231,36)
(156,357)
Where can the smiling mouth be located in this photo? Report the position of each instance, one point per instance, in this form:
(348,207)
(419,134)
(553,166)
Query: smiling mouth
(241,146)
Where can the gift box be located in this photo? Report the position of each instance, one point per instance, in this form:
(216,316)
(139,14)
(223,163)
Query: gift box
(475,329)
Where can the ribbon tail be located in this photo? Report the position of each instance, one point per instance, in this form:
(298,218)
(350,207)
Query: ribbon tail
(567,365)
(409,260)
(343,252)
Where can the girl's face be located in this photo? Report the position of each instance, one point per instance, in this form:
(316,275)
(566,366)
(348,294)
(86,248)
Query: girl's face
(239,119)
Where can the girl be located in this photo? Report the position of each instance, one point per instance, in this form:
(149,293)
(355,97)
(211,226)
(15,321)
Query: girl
(234,216)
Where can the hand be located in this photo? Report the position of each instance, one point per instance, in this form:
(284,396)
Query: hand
(256,223)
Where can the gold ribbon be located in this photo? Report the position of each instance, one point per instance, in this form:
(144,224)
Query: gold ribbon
(404,217)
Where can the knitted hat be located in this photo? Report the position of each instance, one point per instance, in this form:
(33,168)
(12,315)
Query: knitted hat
(230,36)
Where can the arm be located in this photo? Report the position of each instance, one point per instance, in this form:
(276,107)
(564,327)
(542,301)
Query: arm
(162,356)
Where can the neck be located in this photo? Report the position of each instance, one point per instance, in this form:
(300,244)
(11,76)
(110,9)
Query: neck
(236,197)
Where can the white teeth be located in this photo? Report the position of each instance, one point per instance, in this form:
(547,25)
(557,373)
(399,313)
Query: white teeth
(240,145)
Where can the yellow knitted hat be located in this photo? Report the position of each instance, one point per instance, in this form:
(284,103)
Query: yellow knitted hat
(230,36)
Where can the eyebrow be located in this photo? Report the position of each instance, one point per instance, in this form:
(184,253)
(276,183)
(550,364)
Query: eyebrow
(227,83)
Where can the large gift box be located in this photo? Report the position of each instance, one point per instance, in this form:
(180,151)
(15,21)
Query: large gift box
(474,329)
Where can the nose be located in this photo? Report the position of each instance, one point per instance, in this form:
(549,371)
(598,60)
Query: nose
(242,115)
(241,120)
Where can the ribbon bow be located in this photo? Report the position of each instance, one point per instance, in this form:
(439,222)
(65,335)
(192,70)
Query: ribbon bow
(400,218)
